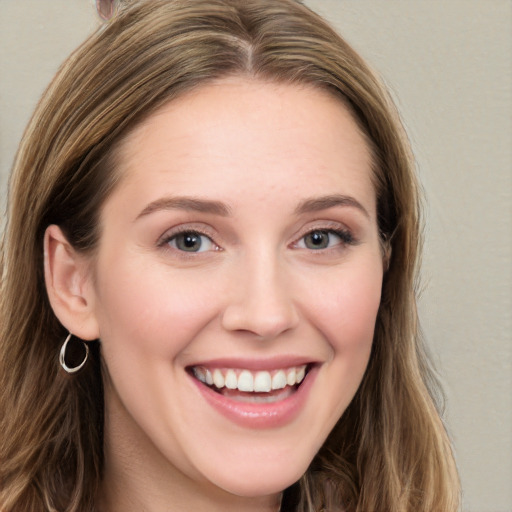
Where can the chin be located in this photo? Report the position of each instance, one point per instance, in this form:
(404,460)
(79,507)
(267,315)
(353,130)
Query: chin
(260,485)
(261,479)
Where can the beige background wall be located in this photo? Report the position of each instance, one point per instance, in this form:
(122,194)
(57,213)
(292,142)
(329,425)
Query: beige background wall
(449,63)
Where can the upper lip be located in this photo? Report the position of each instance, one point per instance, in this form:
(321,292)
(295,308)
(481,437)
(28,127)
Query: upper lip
(255,364)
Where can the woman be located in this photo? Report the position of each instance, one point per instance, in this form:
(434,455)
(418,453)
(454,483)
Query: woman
(208,277)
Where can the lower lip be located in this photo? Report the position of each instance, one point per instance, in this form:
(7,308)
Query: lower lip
(259,415)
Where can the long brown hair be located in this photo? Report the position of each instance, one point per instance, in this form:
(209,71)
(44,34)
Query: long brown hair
(389,451)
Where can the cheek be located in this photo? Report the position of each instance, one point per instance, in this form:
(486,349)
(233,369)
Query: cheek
(343,309)
(346,307)
(150,310)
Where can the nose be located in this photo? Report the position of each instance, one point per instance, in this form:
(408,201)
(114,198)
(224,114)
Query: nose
(261,300)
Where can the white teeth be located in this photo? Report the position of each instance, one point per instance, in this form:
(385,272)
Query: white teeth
(291,377)
(231,381)
(262,382)
(218,379)
(247,381)
(301,373)
(200,374)
(279,380)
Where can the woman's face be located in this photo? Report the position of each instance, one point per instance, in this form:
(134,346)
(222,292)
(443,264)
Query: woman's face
(240,251)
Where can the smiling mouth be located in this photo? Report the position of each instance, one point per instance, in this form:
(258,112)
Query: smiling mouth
(252,386)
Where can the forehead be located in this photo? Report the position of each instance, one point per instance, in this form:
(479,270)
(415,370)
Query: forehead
(250,135)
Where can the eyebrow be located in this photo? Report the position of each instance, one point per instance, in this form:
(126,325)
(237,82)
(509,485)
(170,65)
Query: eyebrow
(218,208)
(192,204)
(316,204)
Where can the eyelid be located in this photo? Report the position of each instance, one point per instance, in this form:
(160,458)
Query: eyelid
(330,226)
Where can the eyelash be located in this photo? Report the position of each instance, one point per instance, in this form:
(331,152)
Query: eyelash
(345,236)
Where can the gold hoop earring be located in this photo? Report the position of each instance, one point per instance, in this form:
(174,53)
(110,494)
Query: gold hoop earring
(62,356)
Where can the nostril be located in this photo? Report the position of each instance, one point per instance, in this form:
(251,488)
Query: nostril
(262,321)
(261,301)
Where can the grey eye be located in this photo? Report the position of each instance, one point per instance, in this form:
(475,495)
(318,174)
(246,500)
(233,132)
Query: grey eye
(317,240)
(325,239)
(190,241)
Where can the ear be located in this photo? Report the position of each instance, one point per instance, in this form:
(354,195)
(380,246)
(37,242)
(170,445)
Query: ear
(69,285)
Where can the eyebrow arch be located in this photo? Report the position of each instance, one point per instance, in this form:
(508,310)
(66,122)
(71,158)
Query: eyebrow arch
(324,202)
(193,204)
